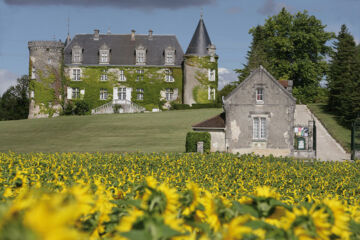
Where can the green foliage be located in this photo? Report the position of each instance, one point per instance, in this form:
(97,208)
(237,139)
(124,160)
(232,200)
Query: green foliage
(79,107)
(14,103)
(344,78)
(176,106)
(192,138)
(195,106)
(291,47)
(226,90)
(200,92)
(310,94)
(152,81)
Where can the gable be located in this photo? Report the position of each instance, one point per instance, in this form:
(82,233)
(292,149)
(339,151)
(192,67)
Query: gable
(259,78)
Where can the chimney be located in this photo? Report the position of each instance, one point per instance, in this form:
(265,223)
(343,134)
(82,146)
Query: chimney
(150,34)
(96,34)
(133,35)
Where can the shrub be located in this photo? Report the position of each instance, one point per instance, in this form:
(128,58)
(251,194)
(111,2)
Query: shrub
(177,106)
(116,108)
(192,138)
(206,105)
(81,108)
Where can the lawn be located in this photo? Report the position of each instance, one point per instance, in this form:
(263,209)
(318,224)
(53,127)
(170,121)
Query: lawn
(144,132)
(341,134)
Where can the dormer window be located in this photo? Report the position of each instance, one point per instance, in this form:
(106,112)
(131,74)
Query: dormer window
(104,55)
(169,56)
(76,54)
(168,76)
(259,95)
(140,55)
(211,75)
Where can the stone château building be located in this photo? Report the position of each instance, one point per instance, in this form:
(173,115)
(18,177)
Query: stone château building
(134,72)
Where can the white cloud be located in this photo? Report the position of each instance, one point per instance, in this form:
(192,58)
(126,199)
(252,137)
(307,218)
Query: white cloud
(226,76)
(7,79)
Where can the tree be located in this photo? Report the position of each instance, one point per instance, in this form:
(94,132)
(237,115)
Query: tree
(226,90)
(14,102)
(291,47)
(344,78)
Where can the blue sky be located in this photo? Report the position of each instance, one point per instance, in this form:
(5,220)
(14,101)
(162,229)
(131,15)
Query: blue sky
(227,21)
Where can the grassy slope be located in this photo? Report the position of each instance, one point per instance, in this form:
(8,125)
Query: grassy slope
(341,134)
(147,132)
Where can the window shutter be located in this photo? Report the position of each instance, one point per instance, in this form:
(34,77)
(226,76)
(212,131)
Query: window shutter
(128,94)
(209,74)
(82,92)
(115,93)
(209,93)
(69,92)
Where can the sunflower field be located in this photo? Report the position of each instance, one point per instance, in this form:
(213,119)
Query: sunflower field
(65,196)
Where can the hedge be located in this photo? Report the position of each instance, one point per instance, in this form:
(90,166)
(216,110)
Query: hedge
(192,138)
(177,106)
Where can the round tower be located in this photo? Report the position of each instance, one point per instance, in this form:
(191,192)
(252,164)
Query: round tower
(200,68)
(45,73)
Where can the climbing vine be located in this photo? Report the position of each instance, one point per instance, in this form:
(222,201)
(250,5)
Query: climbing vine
(200,92)
(151,80)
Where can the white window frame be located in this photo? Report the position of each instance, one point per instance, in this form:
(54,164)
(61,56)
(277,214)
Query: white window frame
(75,93)
(211,93)
(259,128)
(104,56)
(140,94)
(259,96)
(168,76)
(211,75)
(33,73)
(139,75)
(169,94)
(76,53)
(103,76)
(121,93)
(103,94)
(140,55)
(76,74)
(169,56)
(122,77)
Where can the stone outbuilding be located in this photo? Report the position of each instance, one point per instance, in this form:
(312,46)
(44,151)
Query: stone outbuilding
(258,118)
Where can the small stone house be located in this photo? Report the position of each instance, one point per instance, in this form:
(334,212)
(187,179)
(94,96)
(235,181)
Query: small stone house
(258,118)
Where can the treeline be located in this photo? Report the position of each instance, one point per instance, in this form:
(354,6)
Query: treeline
(324,67)
(14,103)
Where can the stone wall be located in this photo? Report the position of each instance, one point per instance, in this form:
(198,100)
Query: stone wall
(278,109)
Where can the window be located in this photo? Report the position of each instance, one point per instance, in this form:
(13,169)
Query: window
(104,76)
(140,75)
(211,73)
(76,54)
(103,94)
(259,95)
(169,56)
(168,76)
(259,128)
(169,93)
(49,61)
(33,73)
(76,74)
(122,77)
(211,93)
(122,93)
(75,93)
(104,54)
(140,94)
(140,55)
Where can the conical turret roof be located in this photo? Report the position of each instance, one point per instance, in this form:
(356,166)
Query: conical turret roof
(200,41)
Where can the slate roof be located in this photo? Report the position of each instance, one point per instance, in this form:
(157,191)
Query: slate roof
(213,123)
(123,48)
(200,41)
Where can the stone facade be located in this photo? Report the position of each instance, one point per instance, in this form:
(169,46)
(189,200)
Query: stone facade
(258,118)
(137,71)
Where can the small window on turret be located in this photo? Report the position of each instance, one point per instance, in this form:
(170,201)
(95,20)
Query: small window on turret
(211,73)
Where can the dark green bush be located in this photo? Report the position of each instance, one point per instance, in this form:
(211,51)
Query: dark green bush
(192,138)
(206,105)
(78,108)
(177,106)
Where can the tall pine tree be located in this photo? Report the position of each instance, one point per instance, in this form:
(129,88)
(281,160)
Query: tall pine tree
(344,78)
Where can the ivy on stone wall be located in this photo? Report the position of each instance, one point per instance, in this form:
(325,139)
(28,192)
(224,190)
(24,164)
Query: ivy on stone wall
(200,92)
(152,81)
